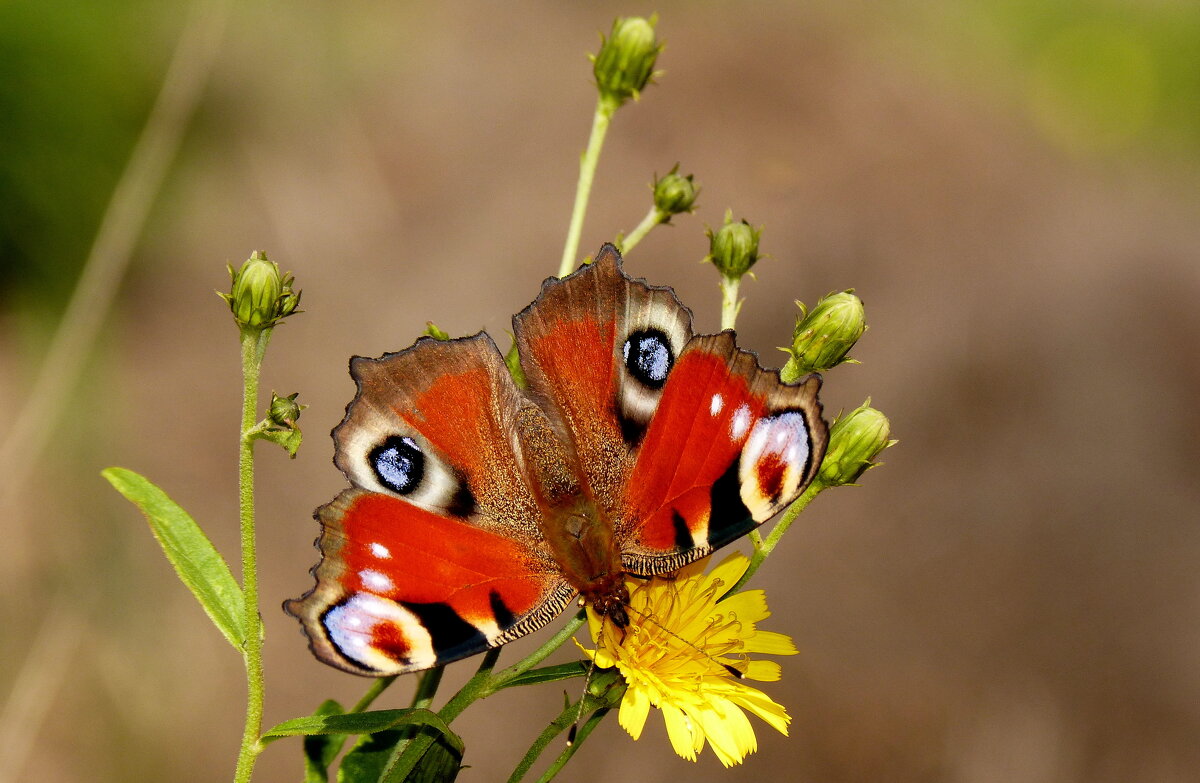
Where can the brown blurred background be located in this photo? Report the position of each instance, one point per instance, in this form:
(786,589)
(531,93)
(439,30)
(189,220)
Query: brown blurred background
(1011,187)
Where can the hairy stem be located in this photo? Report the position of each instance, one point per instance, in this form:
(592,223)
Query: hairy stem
(605,109)
(254,344)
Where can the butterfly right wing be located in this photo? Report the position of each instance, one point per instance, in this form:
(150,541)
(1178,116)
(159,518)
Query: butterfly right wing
(435,554)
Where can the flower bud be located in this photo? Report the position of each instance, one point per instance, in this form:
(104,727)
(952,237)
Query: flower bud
(824,335)
(284,411)
(854,441)
(432,330)
(626,58)
(733,248)
(259,296)
(674,194)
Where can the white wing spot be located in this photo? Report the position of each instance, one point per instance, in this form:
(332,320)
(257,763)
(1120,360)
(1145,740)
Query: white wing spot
(376,580)
(717,404)
(380,551)
(741,422)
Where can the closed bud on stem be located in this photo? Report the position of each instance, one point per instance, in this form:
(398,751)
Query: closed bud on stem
(674,194)
(260,296)
(284,411)
(824,335)
(855,440)
(733,248)
(625,62)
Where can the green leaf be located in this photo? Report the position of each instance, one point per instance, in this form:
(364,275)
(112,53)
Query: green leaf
(355,723)
(321,749)
(196,560)
(563,671)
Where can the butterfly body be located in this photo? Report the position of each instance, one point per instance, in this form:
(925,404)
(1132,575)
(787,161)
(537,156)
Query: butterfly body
(480,509)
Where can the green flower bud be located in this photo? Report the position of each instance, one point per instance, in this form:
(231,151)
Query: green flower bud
(854,441)
(260,296)
(625,62)
(284,411)
(825,334)
(733,248)
(674,194)
(432,330)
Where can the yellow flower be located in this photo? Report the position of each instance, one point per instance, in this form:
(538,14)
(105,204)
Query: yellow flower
(679,653)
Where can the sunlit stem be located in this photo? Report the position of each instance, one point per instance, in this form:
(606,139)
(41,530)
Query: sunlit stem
(790,372)
(605,109)
(556,727)
(254,345)
(653,218)
(569,751)
(729,301)
(763,548)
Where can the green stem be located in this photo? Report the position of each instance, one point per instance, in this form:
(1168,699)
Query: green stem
(763,548)
(729,301)
(605,109)
(427,687)
(569,751)
(379,686)
(556,727)
(538,655)
(254,344)
(790,372)
(653,218)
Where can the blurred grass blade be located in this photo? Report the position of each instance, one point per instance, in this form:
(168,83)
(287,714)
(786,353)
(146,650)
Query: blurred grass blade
(196,560)
(321,749)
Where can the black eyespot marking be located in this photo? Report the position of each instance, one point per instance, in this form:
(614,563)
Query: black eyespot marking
(398,464)
(648,357)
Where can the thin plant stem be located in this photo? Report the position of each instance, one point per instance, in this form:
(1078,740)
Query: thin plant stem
(427,687)
(764,548)
(124,218)
(605,109)
(254,344)
(653,218)
(541,653)
(729,301)
(379,686)
(556,727)
(569,751)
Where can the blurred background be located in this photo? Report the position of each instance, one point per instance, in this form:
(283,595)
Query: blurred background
(1011,186)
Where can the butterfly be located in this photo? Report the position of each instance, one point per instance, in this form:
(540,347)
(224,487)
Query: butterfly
(480,508)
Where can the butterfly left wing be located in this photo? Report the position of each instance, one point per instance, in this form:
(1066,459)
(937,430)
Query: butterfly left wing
(436,553)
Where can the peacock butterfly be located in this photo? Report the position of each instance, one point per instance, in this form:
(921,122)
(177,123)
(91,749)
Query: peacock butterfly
(480,509)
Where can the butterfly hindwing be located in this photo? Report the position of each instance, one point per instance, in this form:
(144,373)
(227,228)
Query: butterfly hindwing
(436,553)
(729,446)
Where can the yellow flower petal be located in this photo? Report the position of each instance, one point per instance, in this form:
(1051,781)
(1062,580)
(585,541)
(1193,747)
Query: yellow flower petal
(728,731)
(728,571)
(763,671)
(749,606)
(679,731)
(761,705)
(771,643)
(635,707)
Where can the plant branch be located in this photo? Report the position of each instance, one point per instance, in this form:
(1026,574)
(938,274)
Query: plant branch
(605,109)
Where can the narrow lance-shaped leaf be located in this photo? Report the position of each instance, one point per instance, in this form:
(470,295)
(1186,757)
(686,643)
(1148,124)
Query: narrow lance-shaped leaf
(196,560)
(320,749)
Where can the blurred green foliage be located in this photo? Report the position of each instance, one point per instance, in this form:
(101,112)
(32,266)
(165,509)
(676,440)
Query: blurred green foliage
(78,80)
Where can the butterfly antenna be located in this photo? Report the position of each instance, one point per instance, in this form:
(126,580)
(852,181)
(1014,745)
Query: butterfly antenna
(649,618)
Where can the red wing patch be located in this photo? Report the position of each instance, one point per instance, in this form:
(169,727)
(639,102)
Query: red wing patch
(402,589)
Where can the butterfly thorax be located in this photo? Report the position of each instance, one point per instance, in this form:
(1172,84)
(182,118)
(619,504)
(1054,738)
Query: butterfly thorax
(572,523)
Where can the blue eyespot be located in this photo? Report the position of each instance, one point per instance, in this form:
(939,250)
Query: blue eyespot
(648,357)
(398,464)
